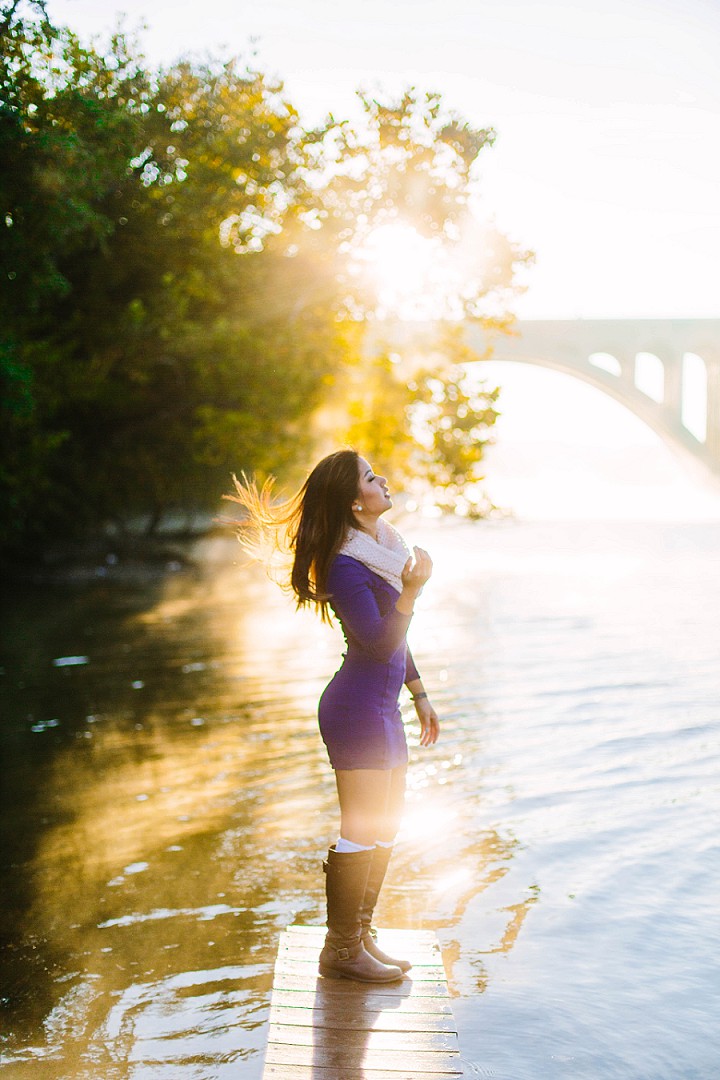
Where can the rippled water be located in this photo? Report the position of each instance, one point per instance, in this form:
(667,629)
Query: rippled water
(166,803)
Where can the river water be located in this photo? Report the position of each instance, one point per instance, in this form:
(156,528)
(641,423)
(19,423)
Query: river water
(166,804)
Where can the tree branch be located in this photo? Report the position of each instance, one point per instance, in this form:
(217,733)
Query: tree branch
(8,13)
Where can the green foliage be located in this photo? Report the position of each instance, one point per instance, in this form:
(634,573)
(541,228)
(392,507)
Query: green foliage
(182,291)
(425,427)
(155,336)
(457,416)
(411,164)
(376,416)
(414,407)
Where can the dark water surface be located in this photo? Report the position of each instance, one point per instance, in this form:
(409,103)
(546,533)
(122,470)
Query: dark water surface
(166,803)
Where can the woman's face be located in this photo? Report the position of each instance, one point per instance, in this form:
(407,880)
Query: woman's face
(373,494)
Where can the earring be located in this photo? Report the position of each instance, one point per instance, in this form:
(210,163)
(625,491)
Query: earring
(358,507)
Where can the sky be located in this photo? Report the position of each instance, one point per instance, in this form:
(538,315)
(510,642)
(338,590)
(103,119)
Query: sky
(608,119)
(607,155)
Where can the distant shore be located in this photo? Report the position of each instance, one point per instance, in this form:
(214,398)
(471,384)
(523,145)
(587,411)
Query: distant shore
(131,559)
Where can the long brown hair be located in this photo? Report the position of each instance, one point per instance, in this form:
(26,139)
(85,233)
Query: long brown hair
(310,526)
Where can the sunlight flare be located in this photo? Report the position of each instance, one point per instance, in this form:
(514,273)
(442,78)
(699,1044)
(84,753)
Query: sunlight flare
(424,820)
(404,269)
(445,276)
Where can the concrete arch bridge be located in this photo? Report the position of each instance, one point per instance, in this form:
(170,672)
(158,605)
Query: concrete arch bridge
(666,371)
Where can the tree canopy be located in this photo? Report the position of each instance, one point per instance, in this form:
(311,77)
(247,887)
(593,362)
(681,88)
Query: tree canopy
(183,287)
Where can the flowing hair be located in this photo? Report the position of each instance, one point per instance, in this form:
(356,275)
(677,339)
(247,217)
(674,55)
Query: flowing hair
(308,528)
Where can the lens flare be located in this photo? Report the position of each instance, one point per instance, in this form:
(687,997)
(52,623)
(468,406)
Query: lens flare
(403,267)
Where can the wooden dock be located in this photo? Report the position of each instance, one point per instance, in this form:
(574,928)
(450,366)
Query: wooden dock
(335,1029)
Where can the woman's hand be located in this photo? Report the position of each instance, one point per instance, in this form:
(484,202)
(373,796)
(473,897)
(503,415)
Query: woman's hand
(416,571)
(429,723)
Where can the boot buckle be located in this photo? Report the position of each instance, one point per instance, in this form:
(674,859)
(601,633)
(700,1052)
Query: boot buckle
(343,954)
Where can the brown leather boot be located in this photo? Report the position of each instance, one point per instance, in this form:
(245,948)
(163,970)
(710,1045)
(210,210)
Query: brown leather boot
(344,955)
(376,876)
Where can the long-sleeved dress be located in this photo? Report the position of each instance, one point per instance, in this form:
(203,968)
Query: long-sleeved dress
(359,715)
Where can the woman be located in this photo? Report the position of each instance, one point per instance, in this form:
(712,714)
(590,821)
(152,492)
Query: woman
(346,558)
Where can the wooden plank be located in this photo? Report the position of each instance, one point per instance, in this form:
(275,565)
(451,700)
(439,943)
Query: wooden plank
(403,988)
(337,1029)
(422,942)
(320,929)
(351,1057)
(289,965)
(331,1038)
(425,958)
(409,938)
(340,1020)
(308,999)
(309,950)
(314,1072)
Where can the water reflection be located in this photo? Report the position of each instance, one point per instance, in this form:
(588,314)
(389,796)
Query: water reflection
(170,804)
(344,1047)
(144,864)
(166,805)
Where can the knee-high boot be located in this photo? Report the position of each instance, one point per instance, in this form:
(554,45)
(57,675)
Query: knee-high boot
(344,956)
(376,876)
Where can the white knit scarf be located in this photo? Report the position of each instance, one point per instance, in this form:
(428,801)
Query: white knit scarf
(385,556)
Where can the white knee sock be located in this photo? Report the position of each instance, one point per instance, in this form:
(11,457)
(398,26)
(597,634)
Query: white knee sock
(345,846)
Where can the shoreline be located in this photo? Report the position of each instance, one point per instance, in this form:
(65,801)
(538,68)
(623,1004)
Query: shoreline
(134,560)
(137,560)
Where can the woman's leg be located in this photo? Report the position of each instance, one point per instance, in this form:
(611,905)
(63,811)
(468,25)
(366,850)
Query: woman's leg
(365,797)
(371,807)
(371,803)
(394,806)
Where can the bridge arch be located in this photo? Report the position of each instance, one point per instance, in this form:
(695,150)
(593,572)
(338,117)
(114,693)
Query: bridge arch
(571,346)
(614,387)
(694,410)
(650,376)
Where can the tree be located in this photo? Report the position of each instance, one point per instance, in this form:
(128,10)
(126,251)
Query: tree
(453,414)
(406,177)
(186,283)
(154,337)
(426,420)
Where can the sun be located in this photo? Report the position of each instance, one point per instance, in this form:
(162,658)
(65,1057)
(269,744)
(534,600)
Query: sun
(404,269)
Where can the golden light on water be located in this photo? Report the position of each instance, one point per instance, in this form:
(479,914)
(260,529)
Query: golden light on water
(425,820)
(455,879)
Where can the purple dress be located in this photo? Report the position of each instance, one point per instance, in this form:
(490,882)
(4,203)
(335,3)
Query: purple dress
(359,716)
